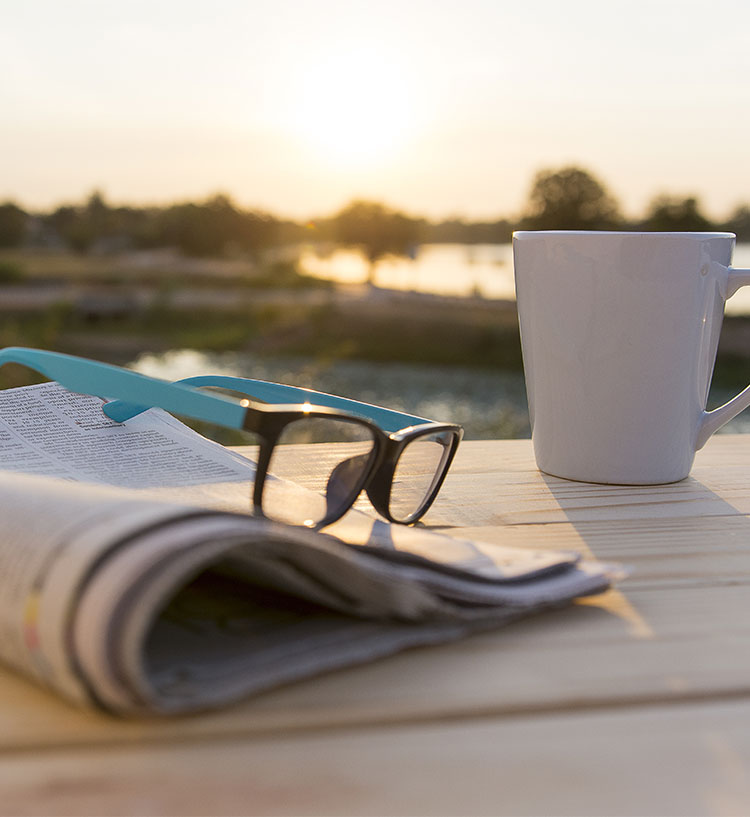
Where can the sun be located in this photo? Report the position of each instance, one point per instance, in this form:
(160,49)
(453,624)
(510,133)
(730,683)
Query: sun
(353,109)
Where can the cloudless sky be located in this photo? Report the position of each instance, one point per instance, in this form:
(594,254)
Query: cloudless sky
(434,107)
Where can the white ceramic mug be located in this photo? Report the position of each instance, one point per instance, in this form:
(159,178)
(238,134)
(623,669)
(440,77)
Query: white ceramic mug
(619,334)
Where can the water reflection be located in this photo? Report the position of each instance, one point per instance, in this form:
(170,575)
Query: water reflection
(445,269)
(489,404)
(454,269)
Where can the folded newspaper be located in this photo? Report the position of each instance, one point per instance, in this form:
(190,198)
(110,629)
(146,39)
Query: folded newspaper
(133,578)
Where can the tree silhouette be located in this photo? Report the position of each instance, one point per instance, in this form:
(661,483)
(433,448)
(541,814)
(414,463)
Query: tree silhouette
(672,214)
(739,222)
(570,199)
(214,227)
(71,225)
(83,225)
(376,231)
(13,224)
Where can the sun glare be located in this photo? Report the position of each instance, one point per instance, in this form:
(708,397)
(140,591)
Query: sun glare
(353,109)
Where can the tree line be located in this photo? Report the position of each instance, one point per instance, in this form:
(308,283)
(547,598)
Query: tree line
(561,198)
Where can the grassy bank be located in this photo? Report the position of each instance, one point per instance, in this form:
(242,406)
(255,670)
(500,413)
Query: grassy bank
(391,330)
(157,269)
(114,310)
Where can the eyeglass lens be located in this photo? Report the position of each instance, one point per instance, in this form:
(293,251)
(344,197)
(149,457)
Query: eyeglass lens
(307,482)
(417,472)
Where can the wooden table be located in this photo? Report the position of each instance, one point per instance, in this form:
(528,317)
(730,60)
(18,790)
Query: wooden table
(637,702)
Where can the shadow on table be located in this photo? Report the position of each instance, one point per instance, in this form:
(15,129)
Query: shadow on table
(655,531)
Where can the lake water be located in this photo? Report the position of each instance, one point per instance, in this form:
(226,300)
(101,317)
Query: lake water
(489,404)
(456,269)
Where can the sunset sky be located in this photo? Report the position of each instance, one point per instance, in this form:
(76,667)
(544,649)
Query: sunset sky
(435,107)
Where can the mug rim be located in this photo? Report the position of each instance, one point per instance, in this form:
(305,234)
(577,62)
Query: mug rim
(521,234)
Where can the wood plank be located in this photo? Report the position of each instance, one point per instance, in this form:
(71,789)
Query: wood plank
(688,760)
(676,630)
(519,494)
(649,647)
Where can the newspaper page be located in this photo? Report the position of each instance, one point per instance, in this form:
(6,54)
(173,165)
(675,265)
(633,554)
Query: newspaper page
(50,537)
(136,601)
(49,430)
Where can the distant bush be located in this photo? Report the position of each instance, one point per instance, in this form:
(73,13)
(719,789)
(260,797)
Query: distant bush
(570,199)
(13,225)
(285,275)
(11,272)
(739,222)
(674,214)
(215,228)
(377,231)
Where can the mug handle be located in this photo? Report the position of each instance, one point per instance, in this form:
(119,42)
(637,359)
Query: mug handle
(712,421)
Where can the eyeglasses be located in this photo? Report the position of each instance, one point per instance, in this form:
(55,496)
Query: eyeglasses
(400,460)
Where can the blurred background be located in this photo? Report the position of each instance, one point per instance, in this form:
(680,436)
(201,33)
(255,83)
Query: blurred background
(323,193)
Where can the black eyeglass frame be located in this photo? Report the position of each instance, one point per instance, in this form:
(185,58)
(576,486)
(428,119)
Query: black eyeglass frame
(269,423)
(380,488)
(396,430)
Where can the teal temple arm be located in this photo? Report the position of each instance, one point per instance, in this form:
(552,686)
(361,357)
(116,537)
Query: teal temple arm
(277,393)
(112,382)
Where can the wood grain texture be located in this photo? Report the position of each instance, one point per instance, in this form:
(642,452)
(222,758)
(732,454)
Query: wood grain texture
(569,695)
(681,761)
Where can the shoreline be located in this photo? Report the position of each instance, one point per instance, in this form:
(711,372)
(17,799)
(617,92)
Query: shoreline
(98,308)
